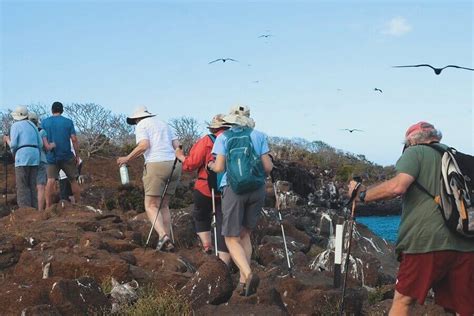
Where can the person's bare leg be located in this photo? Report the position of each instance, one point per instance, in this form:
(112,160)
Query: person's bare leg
(151,208)
(224,256)
(238,254)
(401,305)
(205,238)
(246,243)
(76,191)
(41,196)
(49,191)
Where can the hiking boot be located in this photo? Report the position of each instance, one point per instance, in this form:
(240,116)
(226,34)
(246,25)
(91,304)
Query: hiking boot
(165,244)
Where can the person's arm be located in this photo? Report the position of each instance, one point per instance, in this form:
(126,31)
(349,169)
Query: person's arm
(267,163)
(47,145)
(386,190)
(195,159)
(218,165)
(6,140)
(141,147)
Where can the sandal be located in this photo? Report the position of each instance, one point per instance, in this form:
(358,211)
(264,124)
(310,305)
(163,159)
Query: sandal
(251,284)
(240,289)
(165,244)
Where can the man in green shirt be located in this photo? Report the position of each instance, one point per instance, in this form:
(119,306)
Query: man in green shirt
(430,255)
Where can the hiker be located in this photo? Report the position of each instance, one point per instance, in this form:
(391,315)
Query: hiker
(61,132)
(65,190)
(241,205)
(199,155)
(430,255)
(156,141)
(25,143)
(41,178)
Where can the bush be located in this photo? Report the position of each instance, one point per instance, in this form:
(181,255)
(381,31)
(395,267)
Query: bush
(152,302)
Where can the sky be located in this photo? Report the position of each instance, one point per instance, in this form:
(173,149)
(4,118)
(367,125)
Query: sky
(312,78)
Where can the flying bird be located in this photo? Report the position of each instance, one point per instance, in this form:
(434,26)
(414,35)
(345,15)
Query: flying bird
(223,60)
(436,70)
(379,90)
(351,130)
(265,35)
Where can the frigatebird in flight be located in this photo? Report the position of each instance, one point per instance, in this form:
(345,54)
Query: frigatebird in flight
(351,130)
(379,90)
(223,60)
(265,35)
(436,70)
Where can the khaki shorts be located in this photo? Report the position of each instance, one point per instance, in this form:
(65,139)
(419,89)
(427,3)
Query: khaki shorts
(69,167)
(155,175)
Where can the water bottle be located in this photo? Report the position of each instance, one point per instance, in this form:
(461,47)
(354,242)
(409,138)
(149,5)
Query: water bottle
(124,174)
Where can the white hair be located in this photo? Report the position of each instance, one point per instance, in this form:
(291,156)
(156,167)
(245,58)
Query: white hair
(423,137)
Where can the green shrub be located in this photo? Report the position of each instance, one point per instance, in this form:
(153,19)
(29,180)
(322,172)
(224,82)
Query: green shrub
(152,302)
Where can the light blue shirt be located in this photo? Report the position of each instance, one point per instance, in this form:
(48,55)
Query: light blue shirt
(259,141)
(25,133)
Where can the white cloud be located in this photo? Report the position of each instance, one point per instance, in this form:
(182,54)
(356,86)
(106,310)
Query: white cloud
(397,26)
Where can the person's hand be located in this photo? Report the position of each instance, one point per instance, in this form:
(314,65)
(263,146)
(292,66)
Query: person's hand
(180,154)
(122,160)
(352,185)
(210,165)
(6,139)
(52,146)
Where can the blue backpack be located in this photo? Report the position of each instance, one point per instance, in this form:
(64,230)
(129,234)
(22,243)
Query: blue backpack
(244,167)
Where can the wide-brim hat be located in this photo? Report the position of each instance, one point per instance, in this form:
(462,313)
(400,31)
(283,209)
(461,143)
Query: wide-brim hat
(20,113)
(240,115)
(139,113)
(218,122)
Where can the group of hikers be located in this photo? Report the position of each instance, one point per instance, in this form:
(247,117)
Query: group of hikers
(45,151)
(232,164)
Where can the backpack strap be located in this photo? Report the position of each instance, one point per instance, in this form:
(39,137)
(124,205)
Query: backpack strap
(441,150)
(212,137)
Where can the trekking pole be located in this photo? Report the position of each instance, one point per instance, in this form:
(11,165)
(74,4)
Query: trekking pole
(351,229)
(5,167)
(280,219)
(214,222)
(159,207)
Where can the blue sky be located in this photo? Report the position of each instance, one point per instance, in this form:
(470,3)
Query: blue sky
(315,75)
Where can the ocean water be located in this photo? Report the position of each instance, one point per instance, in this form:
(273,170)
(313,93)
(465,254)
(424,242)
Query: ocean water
(383,226)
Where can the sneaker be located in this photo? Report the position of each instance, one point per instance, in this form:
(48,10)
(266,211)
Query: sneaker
(165,244)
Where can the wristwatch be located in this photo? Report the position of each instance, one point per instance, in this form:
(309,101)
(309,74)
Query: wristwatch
(362,196)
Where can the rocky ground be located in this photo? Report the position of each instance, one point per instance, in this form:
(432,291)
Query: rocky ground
(65,260)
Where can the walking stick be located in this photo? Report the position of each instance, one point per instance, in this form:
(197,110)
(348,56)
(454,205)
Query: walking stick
(351,229)
(280,219)
(5,167)
(159,207)
(214,222)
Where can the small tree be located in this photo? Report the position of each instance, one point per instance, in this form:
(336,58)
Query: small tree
(97,126)
(6,121)
(187,130)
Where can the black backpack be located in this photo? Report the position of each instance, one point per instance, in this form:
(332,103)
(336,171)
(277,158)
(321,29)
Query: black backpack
(213,179)
(456,199)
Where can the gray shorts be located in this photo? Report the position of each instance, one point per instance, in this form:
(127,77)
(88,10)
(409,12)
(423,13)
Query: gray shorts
(240,210)
(42,177)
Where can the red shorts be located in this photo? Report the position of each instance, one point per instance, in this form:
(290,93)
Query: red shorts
(449,273)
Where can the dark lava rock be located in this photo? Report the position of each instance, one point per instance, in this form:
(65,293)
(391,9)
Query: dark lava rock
(211,284)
